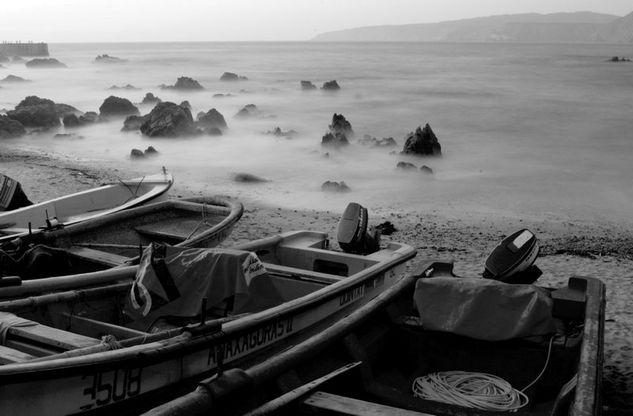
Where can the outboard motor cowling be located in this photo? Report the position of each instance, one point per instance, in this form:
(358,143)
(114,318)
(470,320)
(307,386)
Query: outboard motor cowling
(352,234)
(512,261)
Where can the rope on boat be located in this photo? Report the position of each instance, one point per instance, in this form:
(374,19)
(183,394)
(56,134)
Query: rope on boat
(202,222)
(8,321)
(111,342)
(474,390)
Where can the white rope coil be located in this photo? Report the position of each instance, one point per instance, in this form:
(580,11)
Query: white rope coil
(475,390)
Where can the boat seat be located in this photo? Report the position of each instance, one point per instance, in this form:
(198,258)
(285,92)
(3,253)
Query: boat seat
(340,405)
(301,273)
(98,256)
(10,356)
(34,338)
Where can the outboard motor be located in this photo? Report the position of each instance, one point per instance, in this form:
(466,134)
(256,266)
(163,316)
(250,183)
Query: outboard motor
(352,234)
(512,261)
(11,194)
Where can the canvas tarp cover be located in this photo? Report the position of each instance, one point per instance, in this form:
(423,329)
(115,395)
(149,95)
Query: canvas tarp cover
(172,281)
(482,308)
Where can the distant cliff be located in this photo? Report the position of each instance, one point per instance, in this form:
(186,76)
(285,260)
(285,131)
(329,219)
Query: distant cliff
(23,49)
(579,27)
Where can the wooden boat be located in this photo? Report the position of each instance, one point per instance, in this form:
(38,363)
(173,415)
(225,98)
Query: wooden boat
(367,363)
(117,239)
(82,206)
(61,357)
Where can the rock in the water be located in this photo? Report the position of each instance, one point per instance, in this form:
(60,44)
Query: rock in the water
(34,111)
(618,59)
(137,154)
(278,132)
(128,87)
(230,76)
(331,86)
(107,59)
(150,99)
(220,95)
(248,178)
(168,119)
(184,83)
(10,128)
(406,166)
(185,104)
(14,79)
(45,63)
(426,170)
(117,107)
(151,151)
(386,228)
(71,120)
(132,123)
(249,110)
(422,142)
(307,85)
(212,119)
(333,186)
(339,131)
(370,141)
(71,136)
(88,117)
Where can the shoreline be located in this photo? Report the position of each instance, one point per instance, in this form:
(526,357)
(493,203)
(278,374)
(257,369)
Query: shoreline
(568,247)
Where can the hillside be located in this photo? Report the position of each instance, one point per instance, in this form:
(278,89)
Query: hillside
(578,27)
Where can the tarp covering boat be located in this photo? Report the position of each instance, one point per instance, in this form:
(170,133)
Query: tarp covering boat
(482,308)
(173,281)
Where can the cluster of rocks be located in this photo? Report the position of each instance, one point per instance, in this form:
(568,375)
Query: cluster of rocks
(212,122)
(619,59)
(184,83)
(45,63)
(39,112)
(278,132)
(107,59)
(232,77)
(72,120)
(338,133)
(327,86)
(410,166)
(371,141)
(150,99)
(128,87)
(140,154)
(333,186)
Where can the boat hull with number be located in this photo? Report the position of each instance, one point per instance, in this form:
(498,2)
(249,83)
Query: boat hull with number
(62,364)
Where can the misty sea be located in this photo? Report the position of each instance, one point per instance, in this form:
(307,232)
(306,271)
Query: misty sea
(529,130)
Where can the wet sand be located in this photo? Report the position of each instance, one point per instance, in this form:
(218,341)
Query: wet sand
(567,247)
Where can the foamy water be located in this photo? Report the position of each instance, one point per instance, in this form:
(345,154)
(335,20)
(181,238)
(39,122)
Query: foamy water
(542,130)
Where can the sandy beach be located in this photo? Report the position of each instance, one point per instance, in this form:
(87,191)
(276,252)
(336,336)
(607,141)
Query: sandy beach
(568,247)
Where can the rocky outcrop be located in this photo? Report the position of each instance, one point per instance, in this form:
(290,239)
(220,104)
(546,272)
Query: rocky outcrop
(10,128)
(14,79)
(406,166)
(211,121)
(45,63)
(331,86)
(107,59)
(249,110)
(132,123)
(139,154)
(168,119)
(618,59)
(88,117)
(117,107)
(71,120)
(422,142)
(370,141)
(184,84)
(185,104)
(34,111)
(150,99)
(278,132)
(231,77)
(307,85)
(333,186)
(338,133)
(128,87)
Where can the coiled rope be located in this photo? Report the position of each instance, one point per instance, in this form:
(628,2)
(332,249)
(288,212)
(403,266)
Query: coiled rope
(474,390)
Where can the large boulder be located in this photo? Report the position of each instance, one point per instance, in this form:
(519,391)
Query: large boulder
(117,107)
(212,119)
(307,85)
(14,79)
(45,63)
(230,76)
(88,117)
(134,122)
(331,86)
(107,59)
(34,111)
(338,133)
(10,127)
(422,142)
(71,120)
(168,119)
(249,110)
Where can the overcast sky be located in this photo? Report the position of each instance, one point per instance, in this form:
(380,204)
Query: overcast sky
(242,20)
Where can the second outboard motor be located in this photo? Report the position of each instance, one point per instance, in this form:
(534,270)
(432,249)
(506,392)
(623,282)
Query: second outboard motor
(352,232)
(512,261)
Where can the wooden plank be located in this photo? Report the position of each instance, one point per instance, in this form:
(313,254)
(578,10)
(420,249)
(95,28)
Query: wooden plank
(349,406)
(98,256)
(293,271)
(10,356)
(94,328)
(48,335)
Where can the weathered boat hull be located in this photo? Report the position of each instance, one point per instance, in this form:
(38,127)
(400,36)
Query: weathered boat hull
(94,382)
